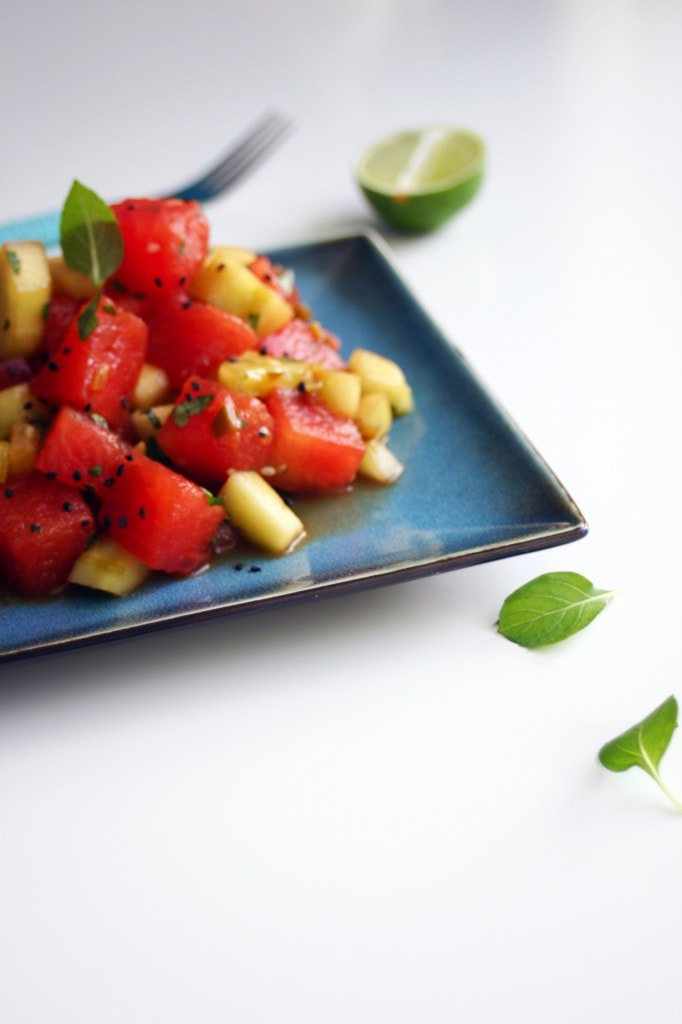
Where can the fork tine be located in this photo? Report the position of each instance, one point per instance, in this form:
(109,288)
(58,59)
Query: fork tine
(252,147)
(249,149)
(240,160)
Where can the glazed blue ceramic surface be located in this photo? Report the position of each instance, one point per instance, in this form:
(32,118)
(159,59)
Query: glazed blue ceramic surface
(473,489)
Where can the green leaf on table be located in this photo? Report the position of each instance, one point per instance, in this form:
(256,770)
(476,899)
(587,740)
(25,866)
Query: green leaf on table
(91,238)
(644,745)
(550,608)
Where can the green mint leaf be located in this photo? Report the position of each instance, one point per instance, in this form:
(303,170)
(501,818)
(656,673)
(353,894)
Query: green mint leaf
(87,319)
(13,260)
(90,236)
(192,407)
(550,608)
(644,745)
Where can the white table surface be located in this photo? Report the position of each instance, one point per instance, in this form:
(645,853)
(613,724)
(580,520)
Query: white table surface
(374,808)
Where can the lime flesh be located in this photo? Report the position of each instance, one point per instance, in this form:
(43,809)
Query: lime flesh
(416,180)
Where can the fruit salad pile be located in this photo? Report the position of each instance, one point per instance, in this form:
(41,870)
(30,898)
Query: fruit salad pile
(161,400)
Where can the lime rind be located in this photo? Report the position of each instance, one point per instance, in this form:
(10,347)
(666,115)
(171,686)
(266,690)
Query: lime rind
(416,180)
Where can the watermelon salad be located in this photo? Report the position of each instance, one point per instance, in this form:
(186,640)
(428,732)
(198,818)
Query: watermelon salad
(163,399)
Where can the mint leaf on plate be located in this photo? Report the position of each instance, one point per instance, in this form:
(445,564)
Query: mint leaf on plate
(90,235)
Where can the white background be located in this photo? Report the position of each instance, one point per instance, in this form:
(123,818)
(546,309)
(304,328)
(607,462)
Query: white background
(374,808)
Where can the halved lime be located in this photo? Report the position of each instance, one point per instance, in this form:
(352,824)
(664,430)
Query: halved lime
(417,179)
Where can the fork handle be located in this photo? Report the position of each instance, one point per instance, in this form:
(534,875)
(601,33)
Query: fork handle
(44,228)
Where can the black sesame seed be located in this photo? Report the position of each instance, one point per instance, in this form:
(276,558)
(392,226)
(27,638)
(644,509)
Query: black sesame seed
(195,385)
(142,512)
(123,522)
(158,282)
(9,493)
(128,458)
(254,568)
(119,470)
(52,366)
(85,522)
(106,522)
(67,506)
(77,475)
(109,482)
(52,475)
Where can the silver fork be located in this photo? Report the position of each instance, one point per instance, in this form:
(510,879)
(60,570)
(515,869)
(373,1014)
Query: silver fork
(248,150)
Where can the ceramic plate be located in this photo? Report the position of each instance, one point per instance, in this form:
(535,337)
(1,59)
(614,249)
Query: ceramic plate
(474,489)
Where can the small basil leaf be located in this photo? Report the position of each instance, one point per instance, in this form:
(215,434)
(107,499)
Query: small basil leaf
(644,745)
(91,238)
(550,608)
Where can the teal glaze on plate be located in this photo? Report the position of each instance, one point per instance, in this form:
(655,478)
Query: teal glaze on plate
(474,488)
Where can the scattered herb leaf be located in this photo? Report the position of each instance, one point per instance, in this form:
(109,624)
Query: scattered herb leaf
(192,407)
(153,451)
(153,418)
(550,608)
(13,260)
(644,745)
(87,319)
(90,235)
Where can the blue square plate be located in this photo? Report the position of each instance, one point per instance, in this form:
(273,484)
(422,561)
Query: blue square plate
(473,489)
